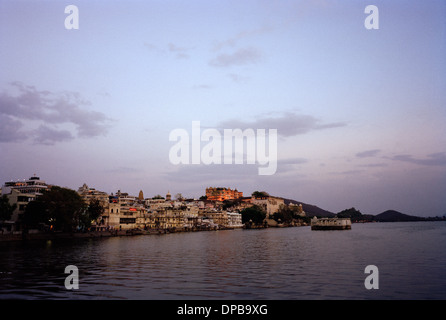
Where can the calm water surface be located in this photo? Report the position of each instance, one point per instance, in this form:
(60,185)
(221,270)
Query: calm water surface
(288,263)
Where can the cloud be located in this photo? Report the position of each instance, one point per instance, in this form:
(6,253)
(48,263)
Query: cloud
(368,153)
(10,129)
(180,52)
(46,135)
(374,165)
(237,78)
(292,161)
(202,86)
(171,48)
(49,110)
(232,41)
(287,125)
(124,170)
(239,57)
(434,159)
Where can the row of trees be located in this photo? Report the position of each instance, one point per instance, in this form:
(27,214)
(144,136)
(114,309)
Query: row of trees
(59,209)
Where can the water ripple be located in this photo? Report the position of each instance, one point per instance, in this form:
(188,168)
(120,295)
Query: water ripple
(291,263)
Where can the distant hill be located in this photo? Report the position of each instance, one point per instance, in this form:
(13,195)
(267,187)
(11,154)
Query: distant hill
(386,216)
(311,210)
(393,216)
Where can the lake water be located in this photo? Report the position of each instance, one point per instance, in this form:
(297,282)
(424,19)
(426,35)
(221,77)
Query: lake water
(285,263)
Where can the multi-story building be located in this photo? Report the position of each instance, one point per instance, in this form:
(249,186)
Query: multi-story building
(222,218)
(21,193)
(89,194)
(218,217)
(169,218)
(269,203)
(33,185)
(123,212)
(234,220)
(221,194)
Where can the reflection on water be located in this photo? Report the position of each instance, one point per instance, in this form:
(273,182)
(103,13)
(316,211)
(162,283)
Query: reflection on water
(288,263)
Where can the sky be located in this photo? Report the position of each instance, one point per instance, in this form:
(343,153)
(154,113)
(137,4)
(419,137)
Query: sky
(360,113)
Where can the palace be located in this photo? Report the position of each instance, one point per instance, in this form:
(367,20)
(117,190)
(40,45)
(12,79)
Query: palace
(221,194)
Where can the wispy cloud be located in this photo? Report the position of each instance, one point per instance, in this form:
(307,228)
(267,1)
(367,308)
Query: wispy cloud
(434,159)
(50,111)
(374,165)
(237,77)
(170,49)
(242,35)
(242,56)
(287,125)
(368,153)
(180,52)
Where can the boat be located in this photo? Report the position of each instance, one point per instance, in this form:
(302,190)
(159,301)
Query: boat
(331,224)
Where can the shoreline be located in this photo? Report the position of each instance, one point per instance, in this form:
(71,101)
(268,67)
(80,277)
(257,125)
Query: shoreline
(8,237)
(97,234)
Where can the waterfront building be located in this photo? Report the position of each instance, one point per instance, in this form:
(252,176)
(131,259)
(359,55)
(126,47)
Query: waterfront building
(21,200)
(120,216)
(21,193)
(269,203)
(123,212)
(173,218)
(33,185)
(234,220)
(218,217)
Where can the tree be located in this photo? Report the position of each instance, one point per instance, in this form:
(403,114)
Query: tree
(61,208)
(35,212)
(6,209)
(255,213)
(260,194)
(92,213)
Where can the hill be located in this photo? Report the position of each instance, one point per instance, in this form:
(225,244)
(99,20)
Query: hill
(393,216)
(311,210)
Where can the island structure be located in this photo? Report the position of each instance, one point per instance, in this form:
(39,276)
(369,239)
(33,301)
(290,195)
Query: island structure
(331,224)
